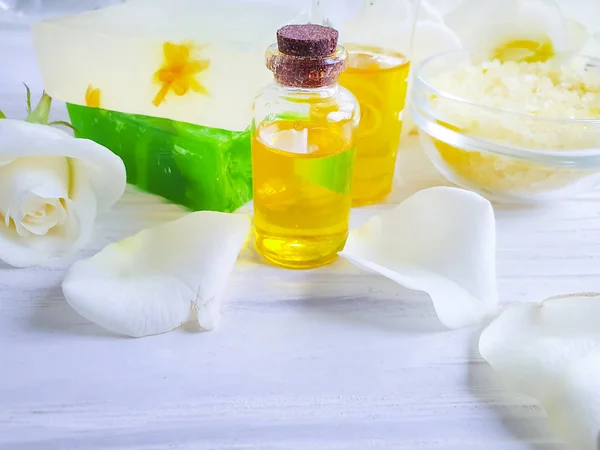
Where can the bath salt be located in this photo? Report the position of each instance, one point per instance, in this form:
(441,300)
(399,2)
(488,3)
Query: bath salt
(527,105)
(541,90)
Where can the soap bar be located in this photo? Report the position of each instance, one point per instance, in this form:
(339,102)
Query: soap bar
(199,167)
(168,85)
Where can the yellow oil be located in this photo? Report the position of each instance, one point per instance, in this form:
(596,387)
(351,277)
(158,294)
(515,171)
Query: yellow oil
(525,50)
(378,79)
(302,175)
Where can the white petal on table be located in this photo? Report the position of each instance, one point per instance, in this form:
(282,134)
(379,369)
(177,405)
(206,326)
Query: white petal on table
(551,353)
(160,278)
(442,241)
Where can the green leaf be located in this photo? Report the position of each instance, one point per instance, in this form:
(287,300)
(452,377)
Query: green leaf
(2,116)
(64,124)
(28,98)
(41,112)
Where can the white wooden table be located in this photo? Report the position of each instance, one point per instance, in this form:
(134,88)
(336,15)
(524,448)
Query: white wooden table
(325,359)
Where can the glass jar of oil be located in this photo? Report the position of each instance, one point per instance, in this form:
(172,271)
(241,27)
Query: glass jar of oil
(377,35)
(378,77)
(303,150)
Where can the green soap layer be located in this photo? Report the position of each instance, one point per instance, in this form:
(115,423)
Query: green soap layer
(198,167)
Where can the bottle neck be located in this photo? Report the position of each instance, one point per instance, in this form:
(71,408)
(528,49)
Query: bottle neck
(325,86)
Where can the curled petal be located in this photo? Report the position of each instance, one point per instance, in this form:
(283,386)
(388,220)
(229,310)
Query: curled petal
(442,241)
(160,278)
(551,353)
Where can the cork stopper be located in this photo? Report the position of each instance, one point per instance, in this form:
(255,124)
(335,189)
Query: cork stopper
(306,56)
(307,40)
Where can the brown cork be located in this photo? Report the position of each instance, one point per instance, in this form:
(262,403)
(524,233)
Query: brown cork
(307,72)
(306,56)
(307,40)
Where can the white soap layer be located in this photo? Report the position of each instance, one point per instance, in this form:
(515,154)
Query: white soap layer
(119,49)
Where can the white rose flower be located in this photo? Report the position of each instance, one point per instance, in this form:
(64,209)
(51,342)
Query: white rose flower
(52,186)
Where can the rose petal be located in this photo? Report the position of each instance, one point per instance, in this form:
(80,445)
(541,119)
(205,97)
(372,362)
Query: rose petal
(551,353)
(443,7)
(577,35)
(43,214)
(96,181)
(160,278)
(586,13)
(104,169)
(83,204)
(441,241)
(27,184)
(476,22)
(485,24)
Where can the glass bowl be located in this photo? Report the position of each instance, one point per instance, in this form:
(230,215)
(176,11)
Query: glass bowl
(505,156)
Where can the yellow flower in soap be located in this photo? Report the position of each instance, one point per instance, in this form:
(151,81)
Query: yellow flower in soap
(92,97)
(516,30)
(178,72)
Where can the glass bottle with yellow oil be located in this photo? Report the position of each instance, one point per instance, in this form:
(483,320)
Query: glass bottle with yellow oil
(303,150)
(377,36)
